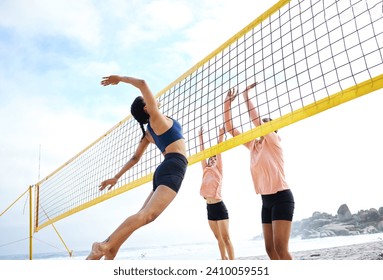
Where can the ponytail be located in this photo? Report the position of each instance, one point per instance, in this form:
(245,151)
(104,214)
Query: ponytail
(138,112)
(143,131)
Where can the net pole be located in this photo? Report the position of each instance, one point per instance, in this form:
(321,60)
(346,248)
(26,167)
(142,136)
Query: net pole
(30,224)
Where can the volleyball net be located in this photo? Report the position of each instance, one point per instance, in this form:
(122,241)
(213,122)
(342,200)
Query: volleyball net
(306,56)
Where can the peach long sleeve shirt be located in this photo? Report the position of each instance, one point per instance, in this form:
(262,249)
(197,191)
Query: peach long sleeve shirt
(211,185)
(267,165)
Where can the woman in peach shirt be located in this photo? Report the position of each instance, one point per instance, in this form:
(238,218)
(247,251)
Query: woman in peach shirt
(211,186)
(267,170)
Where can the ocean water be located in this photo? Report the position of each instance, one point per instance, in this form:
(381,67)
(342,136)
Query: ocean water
(206,251)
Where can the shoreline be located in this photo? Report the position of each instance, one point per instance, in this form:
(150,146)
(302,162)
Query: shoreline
(332,248)
(363,251)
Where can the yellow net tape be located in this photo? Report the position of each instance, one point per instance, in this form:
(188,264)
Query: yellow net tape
(307,56)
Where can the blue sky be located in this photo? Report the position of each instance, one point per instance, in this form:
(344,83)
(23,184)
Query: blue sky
(53,55)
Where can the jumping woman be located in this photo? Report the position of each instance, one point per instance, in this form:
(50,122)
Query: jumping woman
(166,134)
(210,190)
(267,170)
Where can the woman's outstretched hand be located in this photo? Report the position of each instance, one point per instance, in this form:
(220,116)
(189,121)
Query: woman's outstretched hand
(107,183)
(231,95)
(246,91)
(249,87)
(110,80)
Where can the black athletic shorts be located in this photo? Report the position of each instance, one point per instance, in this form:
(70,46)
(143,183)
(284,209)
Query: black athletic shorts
(217,211)
(278,206)
(170,172)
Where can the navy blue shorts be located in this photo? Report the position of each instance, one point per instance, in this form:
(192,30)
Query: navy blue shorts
(217,211)
(278,206)
(170,172)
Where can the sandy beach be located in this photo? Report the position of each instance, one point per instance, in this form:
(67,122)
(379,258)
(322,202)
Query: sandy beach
(364,251)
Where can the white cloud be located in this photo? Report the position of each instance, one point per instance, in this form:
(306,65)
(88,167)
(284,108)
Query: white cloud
(168,15)
(96,68)
(154,21)
(217,21)
(61,132)
(78,20)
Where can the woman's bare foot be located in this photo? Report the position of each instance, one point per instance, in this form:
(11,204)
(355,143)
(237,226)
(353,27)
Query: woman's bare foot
(96,253)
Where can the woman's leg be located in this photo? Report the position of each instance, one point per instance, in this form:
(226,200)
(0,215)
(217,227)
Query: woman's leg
(221,245)
(223,226)
(154,206)
(277,213)
(281,237)
(269,241)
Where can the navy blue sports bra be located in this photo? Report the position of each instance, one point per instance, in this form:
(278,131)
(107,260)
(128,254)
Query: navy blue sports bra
(171,135)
